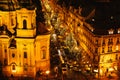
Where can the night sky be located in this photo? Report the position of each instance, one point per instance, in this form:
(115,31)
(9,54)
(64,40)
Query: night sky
(107,12)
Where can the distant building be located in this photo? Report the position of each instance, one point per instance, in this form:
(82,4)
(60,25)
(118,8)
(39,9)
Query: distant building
(22,50)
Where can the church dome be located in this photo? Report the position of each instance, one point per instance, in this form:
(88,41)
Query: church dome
(11,5)
(8,5)
(26,4)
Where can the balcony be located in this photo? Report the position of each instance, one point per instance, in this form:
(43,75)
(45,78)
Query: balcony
(26,32)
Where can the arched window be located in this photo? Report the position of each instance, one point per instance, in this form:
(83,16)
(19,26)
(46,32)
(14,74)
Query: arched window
(13,67)
(43,49)
(43,54)
(24,24)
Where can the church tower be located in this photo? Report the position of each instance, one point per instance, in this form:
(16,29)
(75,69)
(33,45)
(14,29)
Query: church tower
(26,20)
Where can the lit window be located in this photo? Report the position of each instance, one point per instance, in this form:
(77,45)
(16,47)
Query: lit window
(110,31)
(118,30)
(117,48)
(13,68)
(96,42)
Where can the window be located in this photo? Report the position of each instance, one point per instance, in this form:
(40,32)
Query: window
(78,24)
(117,47)
(24,24)
(96,42)
(109,48)
(25,67)
(111,31)
(43,54)
(13,55)
(118,40)
(96,50)
(5,62)
(102,50)
(116,57)
(5,50)
(25,54)
(110,41)
(118,30)
(13,67)
(103,43)
(12,24)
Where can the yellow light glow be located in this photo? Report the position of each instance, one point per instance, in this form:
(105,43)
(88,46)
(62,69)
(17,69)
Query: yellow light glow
(111,69)
(116,47)
(47,72)
(13,71)
(96,70)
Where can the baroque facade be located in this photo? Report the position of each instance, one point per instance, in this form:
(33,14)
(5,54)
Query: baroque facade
(22,50)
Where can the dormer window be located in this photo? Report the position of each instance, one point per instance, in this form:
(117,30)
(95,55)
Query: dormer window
(110,31)
(118,30)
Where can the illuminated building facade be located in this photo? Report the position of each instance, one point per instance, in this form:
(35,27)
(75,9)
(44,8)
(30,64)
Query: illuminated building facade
(100,53)
(22,50)
(109,49)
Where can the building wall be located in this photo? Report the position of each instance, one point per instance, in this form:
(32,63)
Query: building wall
(97,52)
(26,52)
(109,50)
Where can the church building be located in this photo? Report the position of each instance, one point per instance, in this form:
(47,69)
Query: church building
(22,50)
